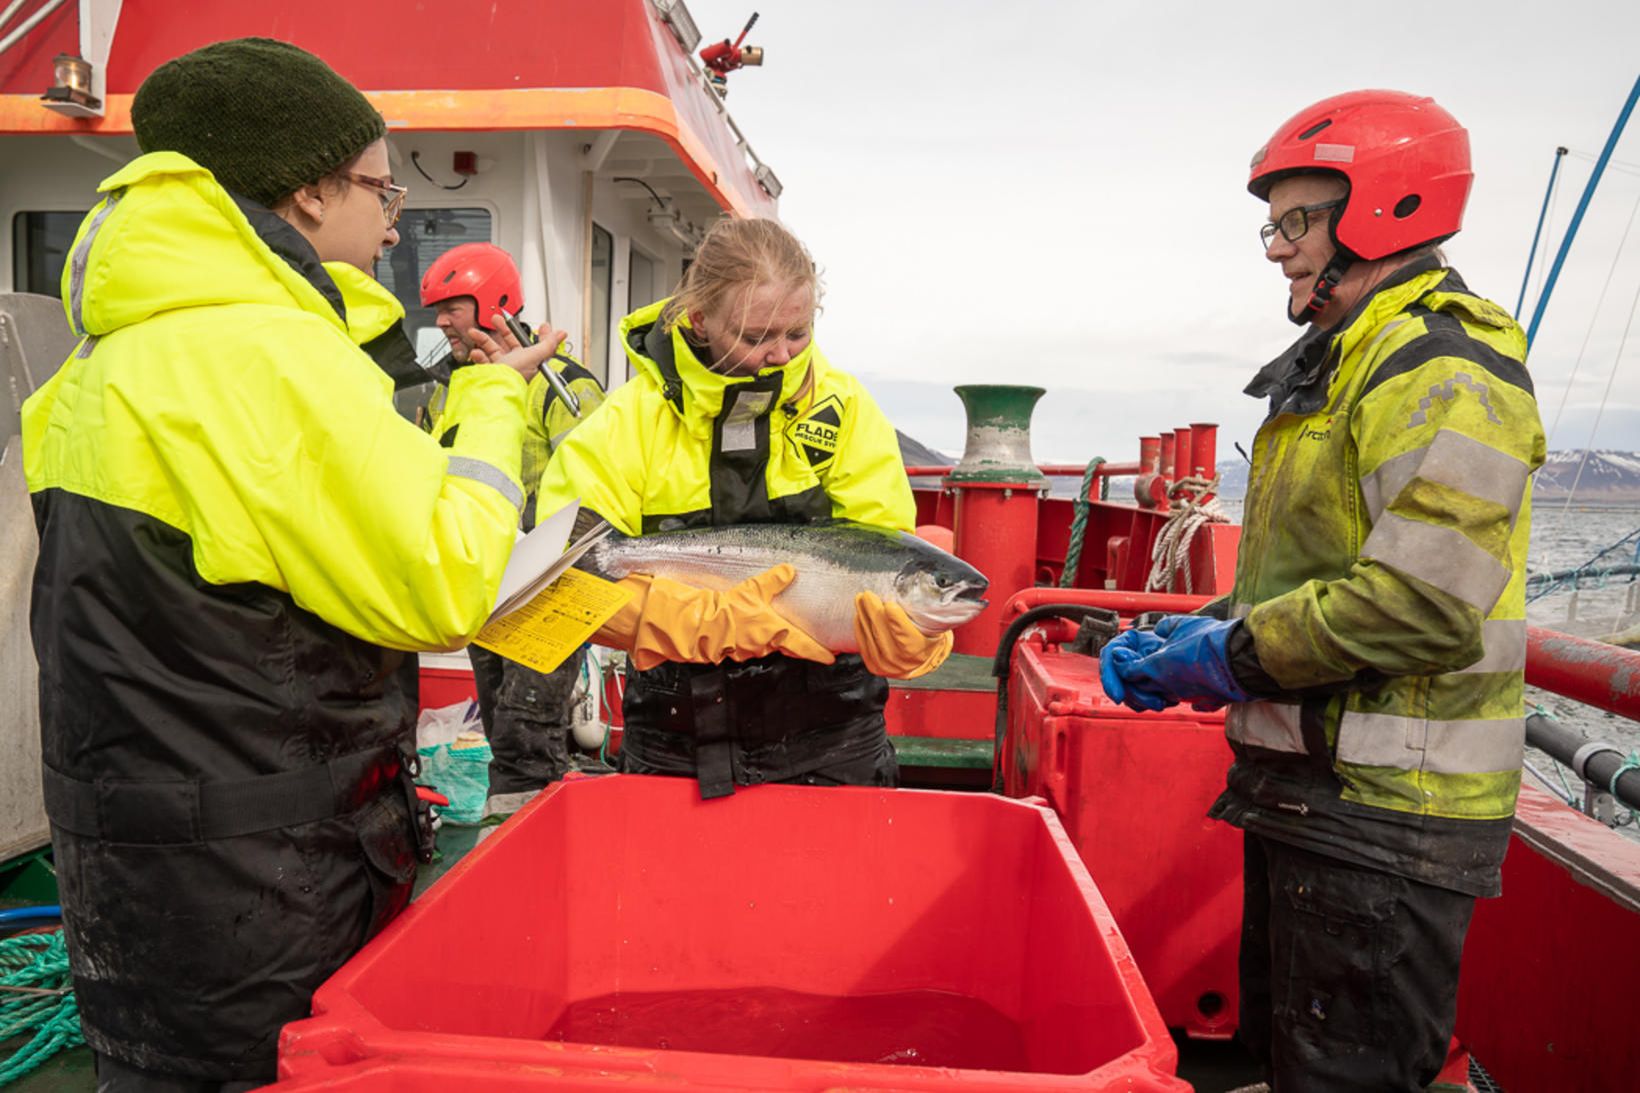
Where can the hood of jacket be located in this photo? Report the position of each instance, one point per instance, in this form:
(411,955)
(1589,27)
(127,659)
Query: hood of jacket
(167,236)
(693,391)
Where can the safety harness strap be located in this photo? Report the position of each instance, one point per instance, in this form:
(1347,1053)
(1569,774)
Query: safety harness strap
(1321,293)
(157,813)
(714,743)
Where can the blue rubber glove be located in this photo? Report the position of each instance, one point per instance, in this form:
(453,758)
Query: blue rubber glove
(1193,662)
(1119,674)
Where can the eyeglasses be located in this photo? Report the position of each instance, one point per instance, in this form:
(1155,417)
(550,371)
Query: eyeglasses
(1294,223)
(392,196)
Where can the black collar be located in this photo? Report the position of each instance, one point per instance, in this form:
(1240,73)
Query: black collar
(293,247)
(1296,381)
(655,342)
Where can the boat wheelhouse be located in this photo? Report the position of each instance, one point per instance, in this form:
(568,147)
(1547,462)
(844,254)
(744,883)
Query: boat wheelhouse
(584,138)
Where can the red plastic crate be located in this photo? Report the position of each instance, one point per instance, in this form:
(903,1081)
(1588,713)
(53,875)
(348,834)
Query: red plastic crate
(634,884)
(1133,790)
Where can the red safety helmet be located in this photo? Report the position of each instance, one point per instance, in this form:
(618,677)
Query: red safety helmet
(481,270)
(1405,158)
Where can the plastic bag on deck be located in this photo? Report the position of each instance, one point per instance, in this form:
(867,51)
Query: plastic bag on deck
(455,759)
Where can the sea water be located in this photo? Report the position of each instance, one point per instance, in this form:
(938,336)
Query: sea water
(1563,537)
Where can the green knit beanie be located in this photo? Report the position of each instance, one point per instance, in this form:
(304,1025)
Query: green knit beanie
(263,116)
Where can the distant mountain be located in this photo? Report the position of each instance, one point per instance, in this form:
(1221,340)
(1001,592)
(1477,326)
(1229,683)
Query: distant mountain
(914,453)
(1609,476)
(1233,478)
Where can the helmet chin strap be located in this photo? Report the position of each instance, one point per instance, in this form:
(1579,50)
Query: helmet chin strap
(1321,293)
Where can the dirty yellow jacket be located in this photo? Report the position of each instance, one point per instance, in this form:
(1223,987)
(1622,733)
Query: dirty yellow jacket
(1383,560)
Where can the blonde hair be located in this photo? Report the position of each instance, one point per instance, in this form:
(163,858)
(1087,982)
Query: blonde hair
(735,255)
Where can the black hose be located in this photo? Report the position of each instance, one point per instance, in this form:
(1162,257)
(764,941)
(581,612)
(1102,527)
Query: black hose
(1002,665)
(1590,760)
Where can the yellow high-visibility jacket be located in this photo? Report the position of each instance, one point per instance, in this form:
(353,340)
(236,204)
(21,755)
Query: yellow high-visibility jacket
(1382,572)
(221,394)
(238,537)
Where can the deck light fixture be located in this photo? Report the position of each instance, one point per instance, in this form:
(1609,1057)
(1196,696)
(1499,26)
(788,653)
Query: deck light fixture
(767,179)
(70,92)
(678,20)
(667,220)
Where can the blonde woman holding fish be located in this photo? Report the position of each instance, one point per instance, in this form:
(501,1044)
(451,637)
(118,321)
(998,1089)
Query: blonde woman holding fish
(733,418)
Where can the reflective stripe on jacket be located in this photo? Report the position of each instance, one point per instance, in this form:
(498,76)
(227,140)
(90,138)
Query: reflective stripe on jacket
(1383,554)
(547,419)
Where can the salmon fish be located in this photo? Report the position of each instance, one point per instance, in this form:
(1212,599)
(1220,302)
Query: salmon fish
(834,562)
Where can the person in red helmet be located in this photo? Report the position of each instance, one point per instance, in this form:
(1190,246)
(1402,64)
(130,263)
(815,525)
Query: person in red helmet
(1372,651)
(527,715)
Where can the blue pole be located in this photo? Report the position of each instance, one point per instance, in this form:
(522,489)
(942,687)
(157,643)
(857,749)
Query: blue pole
(1531,256)
(1582,206)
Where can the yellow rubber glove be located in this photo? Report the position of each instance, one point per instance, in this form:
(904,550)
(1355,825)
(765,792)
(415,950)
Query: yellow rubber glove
(890,643)
(665,620)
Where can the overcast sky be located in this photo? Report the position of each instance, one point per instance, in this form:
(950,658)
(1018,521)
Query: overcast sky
(1054,193)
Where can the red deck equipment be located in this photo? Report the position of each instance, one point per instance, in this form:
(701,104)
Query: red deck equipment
(998,489)
(1133,791)
(633,885)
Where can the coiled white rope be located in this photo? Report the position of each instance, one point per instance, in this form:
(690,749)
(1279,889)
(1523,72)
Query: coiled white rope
(1171,553)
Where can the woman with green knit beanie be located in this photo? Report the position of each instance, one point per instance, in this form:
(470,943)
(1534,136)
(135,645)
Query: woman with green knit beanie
(241,547)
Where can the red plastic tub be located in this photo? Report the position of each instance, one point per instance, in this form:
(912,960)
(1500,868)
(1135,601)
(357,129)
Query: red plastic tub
(1133,790)
(620,933)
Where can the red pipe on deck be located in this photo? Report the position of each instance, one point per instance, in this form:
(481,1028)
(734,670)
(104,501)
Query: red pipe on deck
(1127,604)
(1591,672)
(995,528)
(1055,470)
(1150,488)
(1150,454)
(1204,440)
(1183,451)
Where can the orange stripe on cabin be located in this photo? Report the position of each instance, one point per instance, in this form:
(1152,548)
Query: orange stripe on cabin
(526,108)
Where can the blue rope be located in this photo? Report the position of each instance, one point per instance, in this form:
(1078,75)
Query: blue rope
(1560,772)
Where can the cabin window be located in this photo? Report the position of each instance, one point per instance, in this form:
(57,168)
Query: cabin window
(643,281)
(425,234)
(603,268)
(40,242)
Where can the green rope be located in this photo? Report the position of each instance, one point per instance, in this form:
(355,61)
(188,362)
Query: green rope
(1560,771)
(38,961)
(1079,525)
(1630,762)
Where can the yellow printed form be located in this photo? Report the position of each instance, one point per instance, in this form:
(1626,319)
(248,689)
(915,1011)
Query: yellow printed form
(545,631)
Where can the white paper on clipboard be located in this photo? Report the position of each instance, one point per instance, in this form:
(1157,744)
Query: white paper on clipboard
(541,555)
